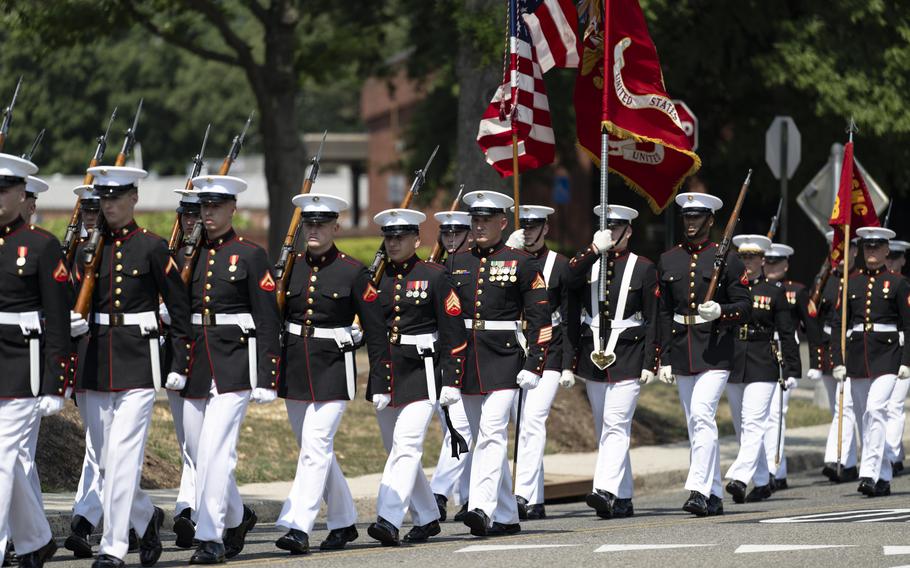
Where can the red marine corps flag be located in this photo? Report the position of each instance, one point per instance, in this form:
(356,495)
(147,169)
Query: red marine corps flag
(620,88)
(852,207)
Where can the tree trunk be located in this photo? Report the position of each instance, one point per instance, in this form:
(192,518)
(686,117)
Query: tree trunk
(477,85)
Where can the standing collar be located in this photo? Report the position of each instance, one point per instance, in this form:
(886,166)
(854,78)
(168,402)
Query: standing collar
(478,250)
(13,226)
(326,258)
(222,240)
(697,247)
(405,267)
(124,231)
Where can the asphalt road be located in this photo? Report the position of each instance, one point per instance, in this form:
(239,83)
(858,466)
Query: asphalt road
(834,526)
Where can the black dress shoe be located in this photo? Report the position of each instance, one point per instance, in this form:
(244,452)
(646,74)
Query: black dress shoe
(849,474)
(715,506)
(696,504)
(622,508)
(184,528)
(385,532)
(132,541)
(537,512)
(9,557)
(477,521)
(737,490)
(897,467)
(295,542)
(37,558)
(208,553)
(882,488)
(522,504)
(108,561)
(830,471)
(459,516)
(503,529)
(441,502)
(338,538)
(422,533)
(779,484)
(866,486)
(602,503)
(235,538)
(78,540)
(759,493)
(150,544)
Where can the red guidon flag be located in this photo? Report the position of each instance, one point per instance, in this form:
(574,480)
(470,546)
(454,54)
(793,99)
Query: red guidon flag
(647,145)
(859,213)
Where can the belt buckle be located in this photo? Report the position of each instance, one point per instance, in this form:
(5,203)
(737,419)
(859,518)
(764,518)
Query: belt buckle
(478,325)
(208,319)
(868,327)
(116,320)
(394,337)
(743,332)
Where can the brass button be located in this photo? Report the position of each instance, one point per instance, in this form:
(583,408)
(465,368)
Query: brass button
(397,297)
(209,273)
(398,286)
(477,303)
(116,303)
(117,291)
(208,285)
(397,318)
(309,300)
(313,278)
(118,279)
(119,267)
(206,311)
(208,298)
(479,292)
(482,270)
(211,261)
(211,252)
(309,312)
(312,288)
(397,308)
(480,280)
(118,254)
(315,269)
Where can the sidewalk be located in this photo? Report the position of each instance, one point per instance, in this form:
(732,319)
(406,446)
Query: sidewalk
(655,468)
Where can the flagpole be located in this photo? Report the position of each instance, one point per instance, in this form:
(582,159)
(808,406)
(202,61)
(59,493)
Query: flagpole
(604,174)
(843,324)
(515,173)
(513,25)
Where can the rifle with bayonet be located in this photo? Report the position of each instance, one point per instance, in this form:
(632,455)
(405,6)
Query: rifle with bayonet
(285,264)
(8,116)
(198,161)
(775,221)
(377,267)
(720,259)
(70,240)
(438,250)
(95,243)
(192,242)
(31,151)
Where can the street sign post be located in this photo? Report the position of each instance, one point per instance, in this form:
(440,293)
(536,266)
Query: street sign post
(783,149)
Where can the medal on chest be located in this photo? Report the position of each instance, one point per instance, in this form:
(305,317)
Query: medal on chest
(886,287)
(233,260)
(22,253)
(791,296)
(503,270)
(761,303)
(417,289)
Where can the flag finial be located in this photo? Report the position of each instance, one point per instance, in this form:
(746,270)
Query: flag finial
(851,128)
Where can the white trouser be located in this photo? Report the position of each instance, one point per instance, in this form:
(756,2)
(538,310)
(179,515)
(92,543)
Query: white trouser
(211,427)
(848,435)
(452,476)
(404,486)
(699,395)
(21,512)
(613,405)
(774,418)
(319,477)
(533,437)
(491,483)
(186,496)
(870,401)
(88,492)
(27,455)
(118,423)
(894,435)
(749,407)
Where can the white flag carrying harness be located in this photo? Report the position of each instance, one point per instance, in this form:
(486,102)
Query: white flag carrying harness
(617,324)
(30,324)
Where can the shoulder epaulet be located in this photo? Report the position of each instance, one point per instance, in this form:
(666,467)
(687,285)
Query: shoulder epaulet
(39,231)
(247,242)
(145,232)
(348,259)
(432,265)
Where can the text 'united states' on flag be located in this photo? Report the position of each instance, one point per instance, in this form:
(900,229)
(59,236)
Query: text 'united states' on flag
(542,35)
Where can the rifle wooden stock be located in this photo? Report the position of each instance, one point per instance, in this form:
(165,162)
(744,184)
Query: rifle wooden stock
(2,141)
(821,280)
(720,261)
(70,240)
(287,248)
(438,250)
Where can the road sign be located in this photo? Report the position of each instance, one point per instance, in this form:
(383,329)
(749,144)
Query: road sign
(689,122)
(817,199)
(782,146)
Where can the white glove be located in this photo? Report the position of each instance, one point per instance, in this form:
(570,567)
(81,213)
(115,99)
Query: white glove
(903,372)
(710,311)
(814,374)
(646,377)
(263,396)
(449,396)
(527,380)
(78,325)
(790,383)
(839,373)
(380,401)
(175,381)
(665,374)
(516,239)
(356,334)
(567,379)
(603,240)
(164,314)
(48,405)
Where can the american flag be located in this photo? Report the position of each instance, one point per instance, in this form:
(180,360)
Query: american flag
(542,34)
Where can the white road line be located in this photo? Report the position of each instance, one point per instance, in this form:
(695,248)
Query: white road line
(498,547)
(757,548)
(636,547)
(895,518)
(837,516)
(894,550)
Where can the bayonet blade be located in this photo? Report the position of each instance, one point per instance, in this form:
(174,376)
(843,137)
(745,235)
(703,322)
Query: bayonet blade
(321,146)
(110,123)
(430,161)
(246,126)
(12,101)
(31,152)
(136,118)
(205,139)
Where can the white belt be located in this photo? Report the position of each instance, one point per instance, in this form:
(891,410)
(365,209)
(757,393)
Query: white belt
(147,322)
(689,320)
(424,343)
(877,327)
(499,325)
(634,321)
(247,325)
(30,324)
(343,338)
